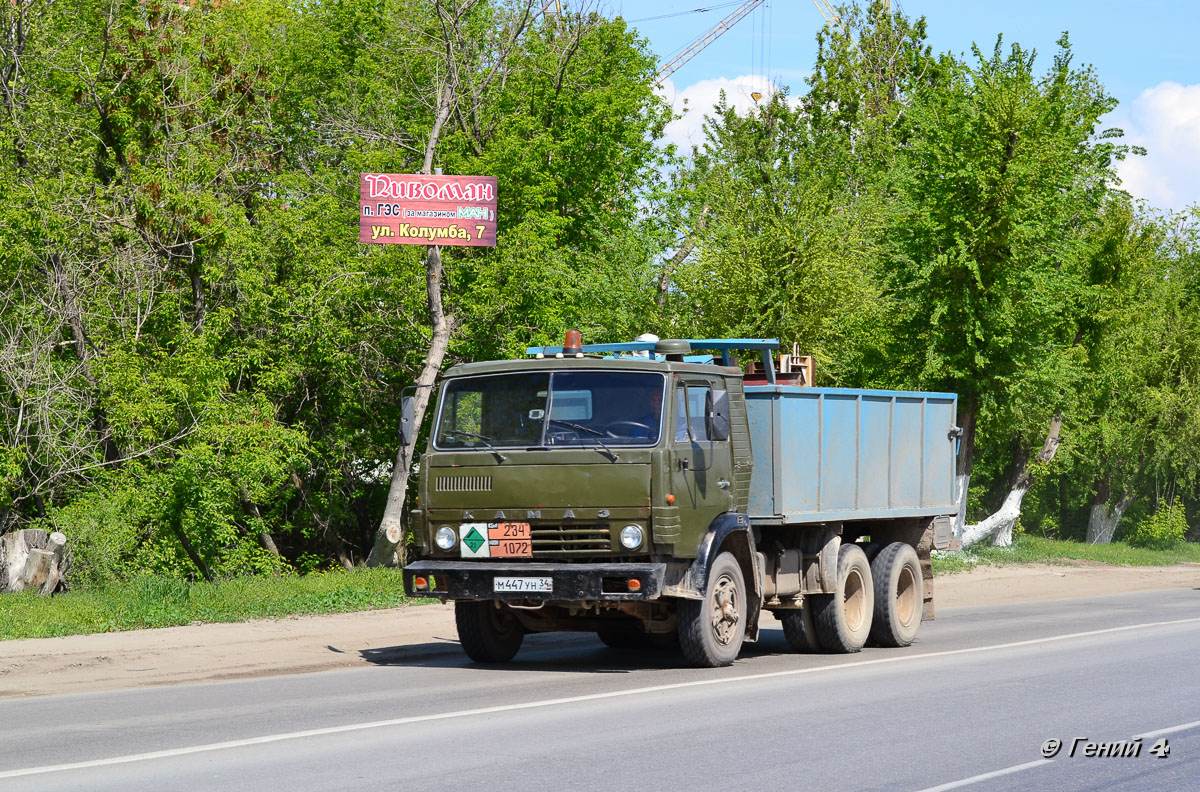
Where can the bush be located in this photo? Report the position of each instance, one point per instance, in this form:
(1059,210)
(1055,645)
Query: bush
(103,527)
(1162,530)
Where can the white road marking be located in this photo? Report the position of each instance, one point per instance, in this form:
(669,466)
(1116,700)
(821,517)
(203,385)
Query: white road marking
(1168,730)
(988,776)
(353,727)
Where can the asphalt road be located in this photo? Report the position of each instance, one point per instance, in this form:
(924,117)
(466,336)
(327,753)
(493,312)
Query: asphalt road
(968,707)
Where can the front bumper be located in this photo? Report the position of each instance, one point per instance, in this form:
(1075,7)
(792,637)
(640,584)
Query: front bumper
(475,580)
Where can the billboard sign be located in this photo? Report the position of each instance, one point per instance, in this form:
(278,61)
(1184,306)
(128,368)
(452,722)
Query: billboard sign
(427,210)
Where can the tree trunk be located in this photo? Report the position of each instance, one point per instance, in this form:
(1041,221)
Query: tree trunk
(966,451)
(391,528)
(250,508)
(386,550)
(1103,522)
(1000,524)
(176,522)
(962,485)
(962,472)
(671,264)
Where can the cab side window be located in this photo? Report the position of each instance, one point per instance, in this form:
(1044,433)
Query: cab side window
(690,401)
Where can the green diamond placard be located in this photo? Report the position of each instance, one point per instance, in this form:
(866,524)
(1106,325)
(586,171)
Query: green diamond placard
(474,540)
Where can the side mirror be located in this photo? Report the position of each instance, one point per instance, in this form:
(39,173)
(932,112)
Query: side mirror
(408,429)
(716,414)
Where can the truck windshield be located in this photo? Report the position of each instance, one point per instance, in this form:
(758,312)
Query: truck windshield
(551,409)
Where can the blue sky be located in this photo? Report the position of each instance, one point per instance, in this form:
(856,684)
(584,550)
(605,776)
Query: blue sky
(1145,53)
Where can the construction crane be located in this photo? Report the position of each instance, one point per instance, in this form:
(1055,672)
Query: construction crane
(829,12)
(718,30)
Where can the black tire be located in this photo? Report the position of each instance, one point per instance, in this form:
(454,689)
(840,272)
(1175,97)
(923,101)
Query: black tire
(488,633)
(617,639)
(843,619)
(711,630)
(872,549)
(899,595)
(799,628)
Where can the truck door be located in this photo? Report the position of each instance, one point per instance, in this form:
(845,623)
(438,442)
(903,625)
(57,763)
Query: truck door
(701,465)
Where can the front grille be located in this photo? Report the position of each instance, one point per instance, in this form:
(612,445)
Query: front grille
(569,539)
(463,484)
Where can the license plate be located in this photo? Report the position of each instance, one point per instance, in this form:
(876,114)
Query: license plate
(523,584)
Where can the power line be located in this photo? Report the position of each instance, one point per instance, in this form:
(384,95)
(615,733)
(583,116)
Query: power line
(704,10)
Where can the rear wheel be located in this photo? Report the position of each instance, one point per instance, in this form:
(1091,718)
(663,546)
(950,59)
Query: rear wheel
(843,619)
(799,629)
(899,595)
(711,630)
(489,632)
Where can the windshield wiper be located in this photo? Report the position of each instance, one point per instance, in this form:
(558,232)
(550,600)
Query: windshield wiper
(589,430)
(487,441)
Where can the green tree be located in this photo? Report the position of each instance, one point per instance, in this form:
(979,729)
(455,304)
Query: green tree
(1003,177)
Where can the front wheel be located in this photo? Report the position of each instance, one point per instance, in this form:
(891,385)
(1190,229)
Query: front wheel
(843,619)
(488,632)
(711,630)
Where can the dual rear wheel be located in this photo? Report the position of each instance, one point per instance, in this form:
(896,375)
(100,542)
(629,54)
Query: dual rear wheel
(878,600)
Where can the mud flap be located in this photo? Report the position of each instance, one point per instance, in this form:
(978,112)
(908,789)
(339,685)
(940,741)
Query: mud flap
(820,547)
(924,550)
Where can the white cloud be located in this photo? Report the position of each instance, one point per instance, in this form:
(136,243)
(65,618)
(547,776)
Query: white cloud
(1165,120)
(696,101)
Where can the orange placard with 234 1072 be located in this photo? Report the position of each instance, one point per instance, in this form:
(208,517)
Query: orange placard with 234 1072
(510,540)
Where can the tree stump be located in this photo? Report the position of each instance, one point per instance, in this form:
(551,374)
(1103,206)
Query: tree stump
(34,559)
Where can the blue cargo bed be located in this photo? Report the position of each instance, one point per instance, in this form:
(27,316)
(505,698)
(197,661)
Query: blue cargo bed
(836,454)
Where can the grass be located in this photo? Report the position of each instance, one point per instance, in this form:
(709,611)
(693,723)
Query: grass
(167,602)
(1033,549)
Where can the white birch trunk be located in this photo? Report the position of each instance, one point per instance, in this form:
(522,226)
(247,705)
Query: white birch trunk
(999,524)
(1102,522)
(962,483)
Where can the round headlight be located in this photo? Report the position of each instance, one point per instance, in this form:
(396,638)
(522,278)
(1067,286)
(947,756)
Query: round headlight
(631,536)
(445,537)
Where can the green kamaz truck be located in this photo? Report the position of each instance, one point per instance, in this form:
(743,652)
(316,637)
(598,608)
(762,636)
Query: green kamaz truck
(656,493)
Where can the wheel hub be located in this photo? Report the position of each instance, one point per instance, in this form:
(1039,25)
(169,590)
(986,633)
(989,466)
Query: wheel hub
(725,610)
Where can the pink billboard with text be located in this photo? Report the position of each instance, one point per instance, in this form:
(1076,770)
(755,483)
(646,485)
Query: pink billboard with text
(427,210)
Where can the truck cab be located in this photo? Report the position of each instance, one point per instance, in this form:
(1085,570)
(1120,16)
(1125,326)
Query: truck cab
(606,488)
